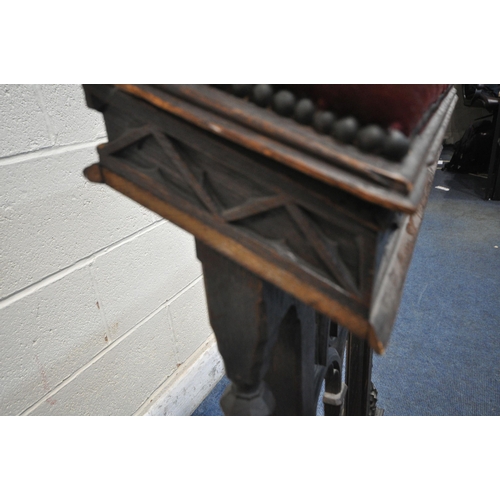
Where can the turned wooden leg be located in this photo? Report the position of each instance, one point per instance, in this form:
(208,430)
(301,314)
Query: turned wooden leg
(267,338)
(237,314)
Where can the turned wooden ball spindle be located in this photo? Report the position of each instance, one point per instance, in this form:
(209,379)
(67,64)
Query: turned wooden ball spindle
(262,95)
(345,129)
(304,111)
(323,122)
(370,138)
(396,145)
(284,103)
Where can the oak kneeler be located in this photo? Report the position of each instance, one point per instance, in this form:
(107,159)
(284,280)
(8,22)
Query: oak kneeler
(305,215)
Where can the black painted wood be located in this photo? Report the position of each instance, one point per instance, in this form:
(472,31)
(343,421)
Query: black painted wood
(358,376)
(493,182)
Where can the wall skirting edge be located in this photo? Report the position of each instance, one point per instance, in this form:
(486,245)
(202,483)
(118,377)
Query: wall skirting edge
(185,390)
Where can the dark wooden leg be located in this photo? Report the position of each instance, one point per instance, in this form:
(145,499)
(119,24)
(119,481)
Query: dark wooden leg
(361,395)
(237,312)
(267,339)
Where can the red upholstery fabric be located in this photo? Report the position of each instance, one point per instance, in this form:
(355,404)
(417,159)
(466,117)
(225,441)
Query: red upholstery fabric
(394,106)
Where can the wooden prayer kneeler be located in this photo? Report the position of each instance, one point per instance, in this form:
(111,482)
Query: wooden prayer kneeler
(305,202)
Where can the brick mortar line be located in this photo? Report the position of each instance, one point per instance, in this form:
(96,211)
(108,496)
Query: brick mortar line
(79,264)
(48,151)
(106,349)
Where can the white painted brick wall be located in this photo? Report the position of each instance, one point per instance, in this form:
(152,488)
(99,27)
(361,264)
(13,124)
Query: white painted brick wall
(101,301)
(136,277)
(118,382)
(186,318)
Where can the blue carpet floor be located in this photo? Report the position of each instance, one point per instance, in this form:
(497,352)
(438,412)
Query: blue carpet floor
(444,354)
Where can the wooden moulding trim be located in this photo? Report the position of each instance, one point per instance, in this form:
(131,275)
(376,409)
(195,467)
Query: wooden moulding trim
(420,194)
(242,255)
(388,292)
(388,296)
(434,148)
(422,142)
(325,172)
(296,135)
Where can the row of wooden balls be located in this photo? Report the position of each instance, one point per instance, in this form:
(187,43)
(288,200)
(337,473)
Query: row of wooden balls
(391,144)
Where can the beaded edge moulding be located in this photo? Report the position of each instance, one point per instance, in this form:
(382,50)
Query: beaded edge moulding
(372,138)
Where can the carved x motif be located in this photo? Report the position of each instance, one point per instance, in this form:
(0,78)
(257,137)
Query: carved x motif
(326,250)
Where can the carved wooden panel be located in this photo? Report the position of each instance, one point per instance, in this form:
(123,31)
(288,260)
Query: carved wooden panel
(317,237)
(328,247)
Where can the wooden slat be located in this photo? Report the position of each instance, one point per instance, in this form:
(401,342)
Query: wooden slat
(253,207)
(125,140)
(185,172)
